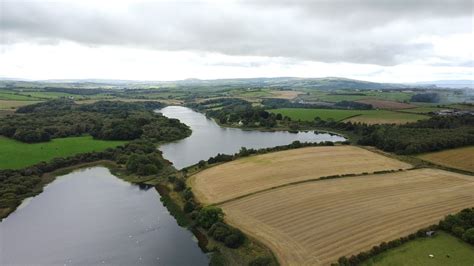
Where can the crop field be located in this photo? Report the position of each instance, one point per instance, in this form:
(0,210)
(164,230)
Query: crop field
(15,154)
(386,117)
(383,104)
(345,95)
(309,114)
(363,116)
(446,249)
(460,158)
(315,223)
(256,173)
(285,94)
(422,110)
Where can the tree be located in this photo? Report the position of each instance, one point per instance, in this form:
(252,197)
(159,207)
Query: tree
(468,236)
(209,215)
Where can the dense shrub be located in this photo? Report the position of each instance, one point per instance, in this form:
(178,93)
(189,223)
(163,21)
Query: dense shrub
(209,215)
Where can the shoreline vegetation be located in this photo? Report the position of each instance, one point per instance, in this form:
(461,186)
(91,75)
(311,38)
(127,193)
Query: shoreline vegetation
(138,161)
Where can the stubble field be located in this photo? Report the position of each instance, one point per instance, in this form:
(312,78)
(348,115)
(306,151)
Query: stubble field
(257,173)
(314,223)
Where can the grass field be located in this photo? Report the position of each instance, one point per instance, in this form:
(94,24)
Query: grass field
(422,110)
(461,158)
(417,252)
(315,223)
(365,116)
(389,105)
(15,154)
(342,95)
(386,117)
(256,173)
(12,104)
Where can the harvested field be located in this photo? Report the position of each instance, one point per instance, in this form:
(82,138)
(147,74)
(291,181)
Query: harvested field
(285,94)
(390,105)
(461,158)
(256,173)
(315,223)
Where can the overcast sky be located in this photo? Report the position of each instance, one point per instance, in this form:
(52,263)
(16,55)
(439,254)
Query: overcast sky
(376,40)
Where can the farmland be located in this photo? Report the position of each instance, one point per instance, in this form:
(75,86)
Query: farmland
(315,223)
(460,158)
(365,116)
(257,173)
(382,104)
(447,250)
(15,154)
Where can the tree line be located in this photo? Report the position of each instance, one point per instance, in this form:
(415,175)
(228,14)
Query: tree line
(108,120)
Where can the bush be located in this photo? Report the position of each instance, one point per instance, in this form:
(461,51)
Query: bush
(209,215)
(261,261)
(179,185)
(188,207)
(234,240)
(468,236)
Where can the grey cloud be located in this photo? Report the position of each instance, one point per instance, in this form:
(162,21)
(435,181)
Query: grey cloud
(376,32)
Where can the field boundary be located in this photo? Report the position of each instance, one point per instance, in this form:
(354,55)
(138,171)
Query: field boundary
(313,180)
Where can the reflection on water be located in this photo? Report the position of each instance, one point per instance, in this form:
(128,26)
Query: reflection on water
(209,139)
(90,217)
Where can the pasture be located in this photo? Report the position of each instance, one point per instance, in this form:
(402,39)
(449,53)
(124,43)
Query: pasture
(372,117)
(363,116)
(460,158)
(257,173)
(315,223)
(16,155)
(390,105)
(447,250)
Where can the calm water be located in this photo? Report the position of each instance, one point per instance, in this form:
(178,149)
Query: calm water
(208,138)
(90,217)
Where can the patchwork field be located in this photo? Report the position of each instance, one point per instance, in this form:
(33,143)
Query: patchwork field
(363,116)
(256,173)
(382,104)
(15,154)
(314,223)
(386,117)
(447,250)
(285,94)
(461,158)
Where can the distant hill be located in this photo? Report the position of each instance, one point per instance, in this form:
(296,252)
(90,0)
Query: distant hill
(328,83)
(454,84)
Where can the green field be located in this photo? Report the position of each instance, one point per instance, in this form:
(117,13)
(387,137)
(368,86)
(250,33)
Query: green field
(15,154)
(367,116)
(309,114)
(342,95)
(417,252)
(421,110)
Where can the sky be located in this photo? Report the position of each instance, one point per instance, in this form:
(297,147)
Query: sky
(375,40)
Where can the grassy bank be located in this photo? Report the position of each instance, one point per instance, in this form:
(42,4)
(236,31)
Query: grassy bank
(446,249)
(16,155)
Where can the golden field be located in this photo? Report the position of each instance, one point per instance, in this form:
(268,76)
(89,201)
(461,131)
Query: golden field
(460,158)
(314,223)
(257,173)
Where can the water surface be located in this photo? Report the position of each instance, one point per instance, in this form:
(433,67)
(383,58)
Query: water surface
(90,217)
(209,139)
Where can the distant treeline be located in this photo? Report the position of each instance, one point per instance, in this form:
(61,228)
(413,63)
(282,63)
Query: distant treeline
(425,97)
(108,120)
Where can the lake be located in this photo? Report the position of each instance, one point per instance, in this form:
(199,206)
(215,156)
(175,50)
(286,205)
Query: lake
(209,139)
(90,217)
